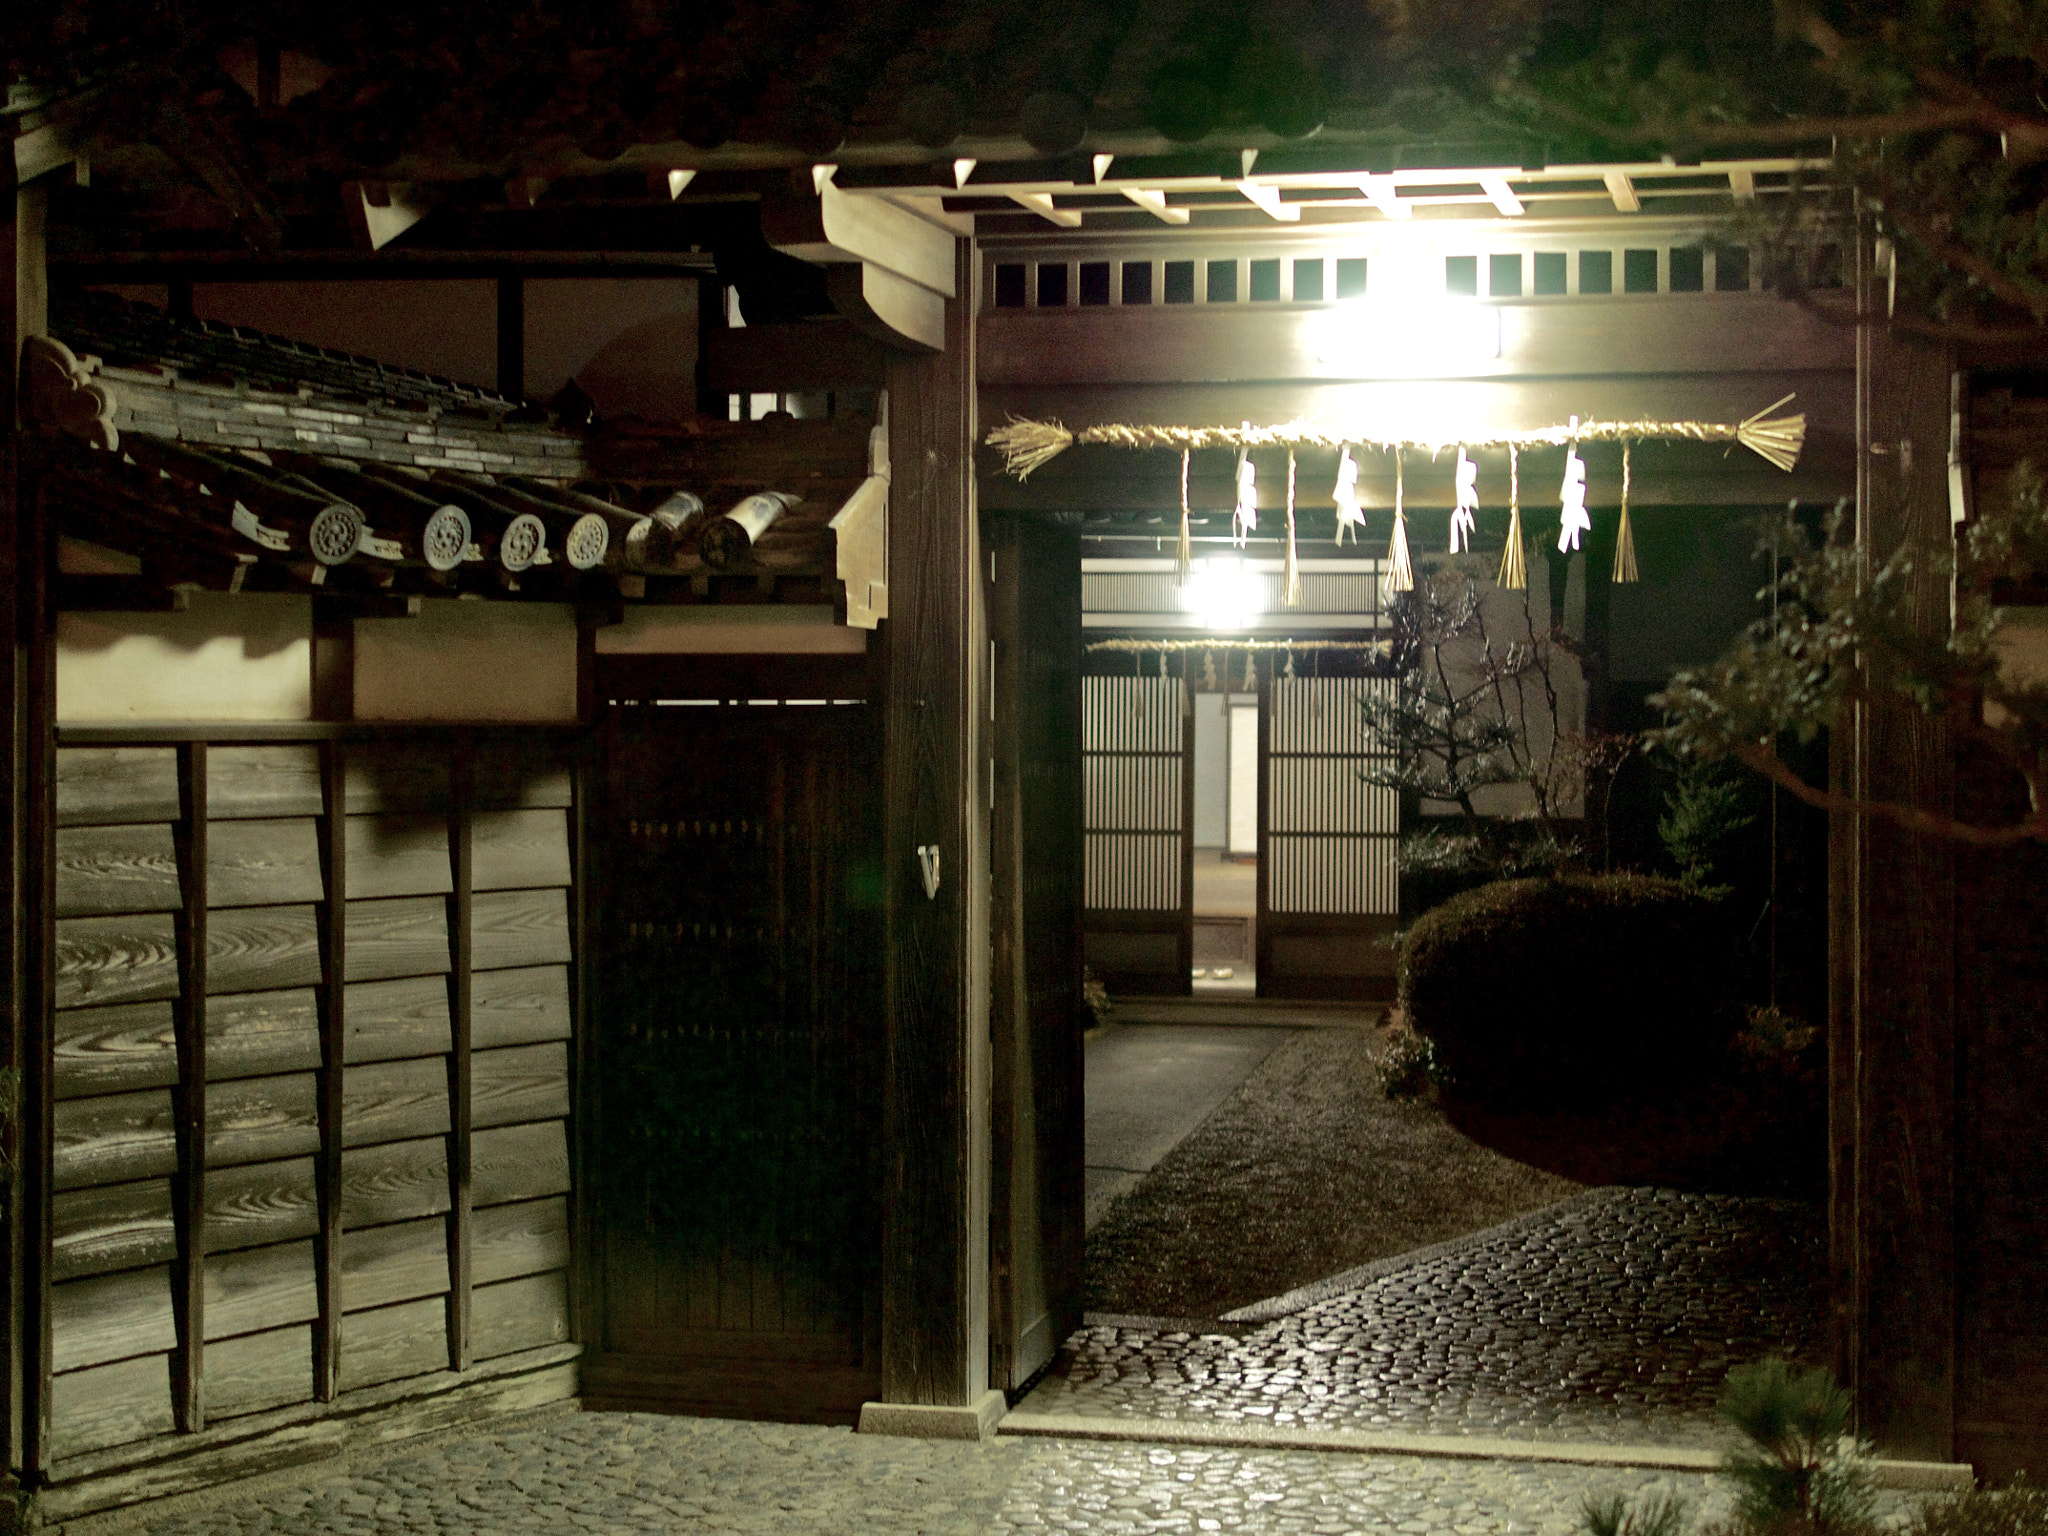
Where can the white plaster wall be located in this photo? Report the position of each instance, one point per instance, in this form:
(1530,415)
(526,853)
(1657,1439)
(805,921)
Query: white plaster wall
(243,657)
(463,660)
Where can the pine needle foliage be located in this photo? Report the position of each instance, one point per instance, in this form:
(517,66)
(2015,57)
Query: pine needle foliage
(1655,1514)
(1801,1470)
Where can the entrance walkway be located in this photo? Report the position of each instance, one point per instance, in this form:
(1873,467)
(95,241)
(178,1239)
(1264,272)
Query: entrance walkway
(1611,1318)
(1149,1085)
(628,1474)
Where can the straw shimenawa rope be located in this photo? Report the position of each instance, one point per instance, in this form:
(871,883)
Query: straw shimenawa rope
(1030,445)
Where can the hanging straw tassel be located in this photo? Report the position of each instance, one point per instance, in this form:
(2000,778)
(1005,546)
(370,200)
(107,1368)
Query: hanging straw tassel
(1400,570)
(1292,594)
(1625,541)
(1185,553)
(1514,574)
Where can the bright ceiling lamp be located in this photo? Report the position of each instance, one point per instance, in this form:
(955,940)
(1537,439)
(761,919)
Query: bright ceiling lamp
(1223,593)
(1415,338)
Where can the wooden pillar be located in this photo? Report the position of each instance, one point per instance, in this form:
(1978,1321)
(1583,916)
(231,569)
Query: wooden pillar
(26,705)
(1036,1014)
(1891,1024)
(934,1284)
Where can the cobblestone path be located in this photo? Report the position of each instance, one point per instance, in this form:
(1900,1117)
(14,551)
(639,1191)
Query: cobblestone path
(1615,1321)
(605,1473)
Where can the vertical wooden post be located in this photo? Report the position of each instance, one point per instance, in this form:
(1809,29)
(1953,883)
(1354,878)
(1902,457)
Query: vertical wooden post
(1892,1043)
(29,693)
(327,1340)
(38,757)
(512,337)
(585,1271)
(1035,1012)
(334,660)
(462,778)
(190,1387)
(22,314)
(935,1228)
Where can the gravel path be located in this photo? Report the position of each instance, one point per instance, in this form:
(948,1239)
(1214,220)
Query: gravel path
(1614,1319)
(1307,1171)
(625,1474)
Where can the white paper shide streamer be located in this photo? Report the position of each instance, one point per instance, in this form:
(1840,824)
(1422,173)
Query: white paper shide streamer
(1465,515)
(1244,518)
(1576,520)
(1349,514)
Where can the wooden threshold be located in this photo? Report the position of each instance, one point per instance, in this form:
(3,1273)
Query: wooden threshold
(782,1391)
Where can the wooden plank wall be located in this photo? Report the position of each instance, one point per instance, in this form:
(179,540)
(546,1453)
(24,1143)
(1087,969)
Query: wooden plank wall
(310,1068)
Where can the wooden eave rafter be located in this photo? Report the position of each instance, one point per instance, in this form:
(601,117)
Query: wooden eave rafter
(1472,192)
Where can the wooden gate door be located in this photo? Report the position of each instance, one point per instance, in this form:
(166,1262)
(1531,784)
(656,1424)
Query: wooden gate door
(737,1024)
(1327,841)
(1139,821)
(1035,1014)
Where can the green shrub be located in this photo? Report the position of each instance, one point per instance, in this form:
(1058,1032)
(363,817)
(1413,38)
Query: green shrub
(1406,1068)
(2017,1510)
(1570,989)
(1095,996)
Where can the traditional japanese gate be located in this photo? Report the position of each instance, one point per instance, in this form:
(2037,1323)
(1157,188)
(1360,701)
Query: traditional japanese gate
(1139,830)
(1328,896)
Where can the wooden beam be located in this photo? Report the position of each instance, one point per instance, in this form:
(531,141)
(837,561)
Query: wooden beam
(1623,191)
(935,1228)
(327,1339)
(1268,198)
(890,308)
(380,211)
(461,846)
(835,228)
(27,816)
(1041,204)
(1503,196)
(1153,201)
(1381,192)
(189,1363)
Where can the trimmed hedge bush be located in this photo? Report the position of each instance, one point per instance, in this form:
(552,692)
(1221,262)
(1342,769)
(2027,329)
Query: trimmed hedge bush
(1572,989)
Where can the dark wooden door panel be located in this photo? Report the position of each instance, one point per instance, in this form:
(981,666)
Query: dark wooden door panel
(736,1022)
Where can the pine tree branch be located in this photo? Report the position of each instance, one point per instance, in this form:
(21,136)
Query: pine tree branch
(1765,761)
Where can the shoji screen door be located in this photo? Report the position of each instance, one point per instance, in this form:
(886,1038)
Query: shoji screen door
(1139,823)
(1327,887)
